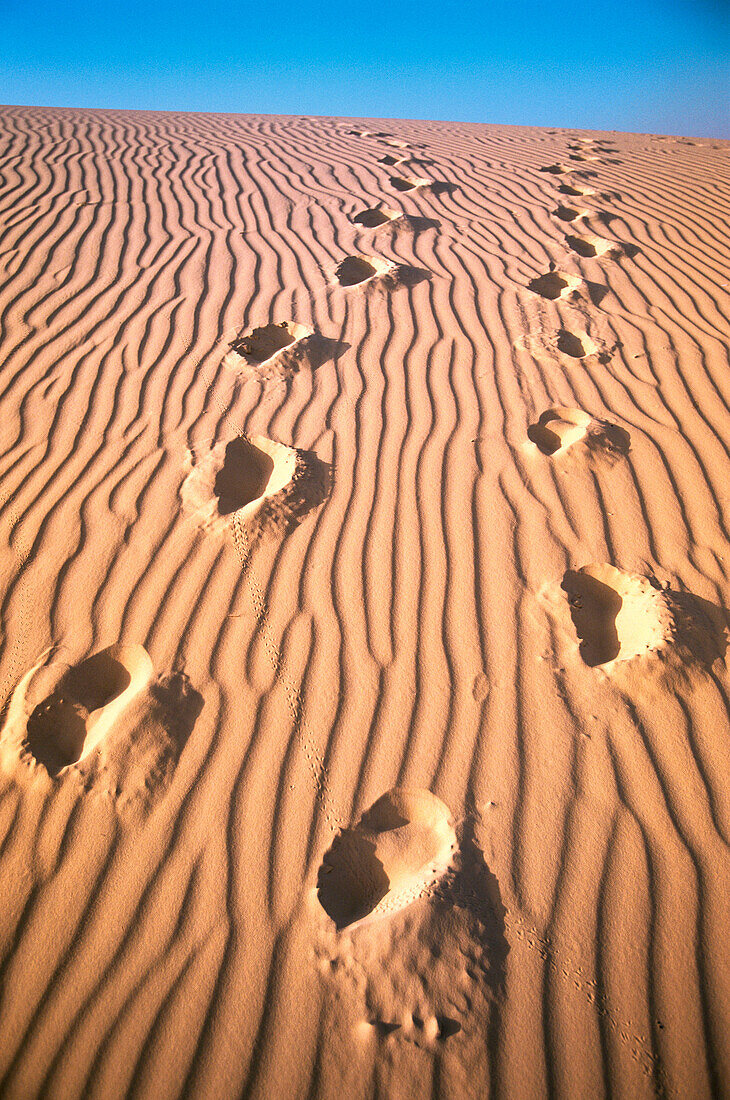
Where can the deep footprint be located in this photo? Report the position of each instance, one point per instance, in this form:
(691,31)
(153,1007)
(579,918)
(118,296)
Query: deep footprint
(589,246)
(356,269)
(617,615)
(261,344)
(568,213)
(558,428)
(576,192)
(396,853)
(377,215)
(262,483)
(574,346)
(245,476)
(74,719)
(554,285)
(400,183)
(108,725)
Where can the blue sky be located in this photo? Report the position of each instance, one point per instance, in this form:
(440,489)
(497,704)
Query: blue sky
(634,65)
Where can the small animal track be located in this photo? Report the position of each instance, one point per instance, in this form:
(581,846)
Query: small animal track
(558,428)
(397,852)
(554,285)
(376,216)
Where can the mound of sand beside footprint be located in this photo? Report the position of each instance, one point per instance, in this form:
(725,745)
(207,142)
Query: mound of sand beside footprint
(363,609)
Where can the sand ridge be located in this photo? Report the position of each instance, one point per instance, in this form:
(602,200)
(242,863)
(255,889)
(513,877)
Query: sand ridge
(445,536)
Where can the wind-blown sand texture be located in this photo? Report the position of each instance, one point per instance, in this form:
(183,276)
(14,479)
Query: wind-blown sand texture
(364,548)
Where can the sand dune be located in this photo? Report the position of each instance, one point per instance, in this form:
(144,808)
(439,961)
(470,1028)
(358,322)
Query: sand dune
(364,513)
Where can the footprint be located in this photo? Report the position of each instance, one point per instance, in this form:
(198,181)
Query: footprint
(558,428)
(395,143)
(246,475)
(397,852)
(357,269)
(555,169)
(617,616)
(577,347)
(391,161)
(108,722)
(354,270)
(581,156)
(424,1031)
(433,975)
(268,352)
(589,246)
(554,284)
(570,189)
(568,213)
(74,719)
(262,344)
(377,215)
(408,183)
(265,484)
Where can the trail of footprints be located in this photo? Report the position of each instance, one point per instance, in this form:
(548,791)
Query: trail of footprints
(617,616)
(85,718)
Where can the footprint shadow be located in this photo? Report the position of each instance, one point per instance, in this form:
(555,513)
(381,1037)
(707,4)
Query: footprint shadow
(420,225)
(476,889)
(703,627)
(408,276)
(610,439)
(316,350)
(310,487)
(442,187)
(596,292)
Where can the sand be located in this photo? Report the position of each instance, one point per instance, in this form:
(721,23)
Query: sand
(364,571)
